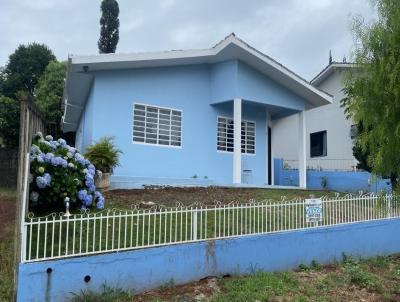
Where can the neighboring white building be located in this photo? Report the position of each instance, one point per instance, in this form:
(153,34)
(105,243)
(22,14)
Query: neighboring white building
(328,132)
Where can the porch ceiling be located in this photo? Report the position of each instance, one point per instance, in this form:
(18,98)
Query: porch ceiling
(276,112)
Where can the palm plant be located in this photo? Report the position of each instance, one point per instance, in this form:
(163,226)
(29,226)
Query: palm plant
(104,154)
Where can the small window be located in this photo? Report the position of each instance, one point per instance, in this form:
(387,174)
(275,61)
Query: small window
(318,144)
(157,126)
(353,131)
(225,136)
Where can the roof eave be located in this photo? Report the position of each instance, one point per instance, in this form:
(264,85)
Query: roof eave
(328,70)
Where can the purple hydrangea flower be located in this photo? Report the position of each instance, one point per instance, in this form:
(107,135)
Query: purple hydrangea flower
(35,150)
(100,200)
(79,158)
(47,178)
(82,194)
(91,170)
(72,150)
(40,158)
(100,205)
(41,182)
(34,196)
(62,142)
(53,145)
(88,200)
(48,157)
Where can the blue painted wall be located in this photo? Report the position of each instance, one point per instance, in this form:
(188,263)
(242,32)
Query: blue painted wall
(255,86)
(192,89)
(153,267)
(336,181)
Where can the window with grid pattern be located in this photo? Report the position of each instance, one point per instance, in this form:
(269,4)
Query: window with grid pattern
(157,125)
(225,136)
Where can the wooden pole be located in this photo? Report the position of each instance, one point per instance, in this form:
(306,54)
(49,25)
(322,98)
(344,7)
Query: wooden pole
(31,121)
(23,129)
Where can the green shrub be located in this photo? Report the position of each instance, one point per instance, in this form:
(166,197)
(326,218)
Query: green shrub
(104,154)
(107,294)
(362,278)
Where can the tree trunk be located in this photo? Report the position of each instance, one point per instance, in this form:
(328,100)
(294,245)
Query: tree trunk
(393,181)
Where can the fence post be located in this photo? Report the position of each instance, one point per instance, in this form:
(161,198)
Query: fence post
(31,121)
(389,206)
(194,222)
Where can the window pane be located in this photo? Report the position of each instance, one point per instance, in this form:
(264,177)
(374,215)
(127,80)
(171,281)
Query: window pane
(152,125)
(318,144)
(151,141)
(225,136)
(138,123)
(139,113)
(165,111)
(163,142)
(138,133)
(152,109)
(142,107)
(138,139)
(173,143)
(163,127)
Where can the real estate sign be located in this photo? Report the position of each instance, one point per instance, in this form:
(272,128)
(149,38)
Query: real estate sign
(314,211)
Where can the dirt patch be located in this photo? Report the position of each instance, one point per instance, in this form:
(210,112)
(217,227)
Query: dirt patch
(173,196)
(7,211)
(201,290)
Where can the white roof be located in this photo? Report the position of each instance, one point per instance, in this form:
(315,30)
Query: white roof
(79,78)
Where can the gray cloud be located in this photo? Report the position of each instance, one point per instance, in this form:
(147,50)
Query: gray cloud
(297,33)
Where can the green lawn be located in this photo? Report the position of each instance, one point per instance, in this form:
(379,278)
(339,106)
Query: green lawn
(373,279)
(7,212)
(111,230)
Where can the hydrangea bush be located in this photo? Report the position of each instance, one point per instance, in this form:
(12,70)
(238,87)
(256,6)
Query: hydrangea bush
(60,174)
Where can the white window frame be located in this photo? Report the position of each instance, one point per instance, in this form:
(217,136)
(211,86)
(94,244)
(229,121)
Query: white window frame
(255,137)
(156,144)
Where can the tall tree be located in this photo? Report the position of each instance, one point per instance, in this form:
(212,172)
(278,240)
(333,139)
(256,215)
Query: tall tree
(49,92)
(20,76)
(24,68)
(9,122)
(109,26)
(361,152)
(373,89)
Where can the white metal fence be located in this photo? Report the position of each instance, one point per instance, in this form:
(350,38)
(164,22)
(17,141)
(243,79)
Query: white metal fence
(323,164)
(58,236)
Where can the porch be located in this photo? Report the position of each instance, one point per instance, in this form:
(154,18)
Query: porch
(251,150)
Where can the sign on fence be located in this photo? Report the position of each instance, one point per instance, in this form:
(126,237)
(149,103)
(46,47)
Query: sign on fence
(314,210)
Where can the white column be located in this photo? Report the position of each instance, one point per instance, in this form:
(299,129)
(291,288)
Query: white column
(267,124)
(272,153)
(302,151)
(237,141)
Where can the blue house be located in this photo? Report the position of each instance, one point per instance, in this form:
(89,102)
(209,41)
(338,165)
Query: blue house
(188,117)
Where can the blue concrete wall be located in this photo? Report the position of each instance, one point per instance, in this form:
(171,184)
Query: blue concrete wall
(255,86)
(114,95)
(223,81)
(335,180)
(109,112)
(153,267)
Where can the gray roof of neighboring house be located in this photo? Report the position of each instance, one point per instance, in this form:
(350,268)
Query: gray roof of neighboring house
(328,70)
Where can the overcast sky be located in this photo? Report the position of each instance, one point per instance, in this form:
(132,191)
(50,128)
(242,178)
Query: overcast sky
(297,33)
